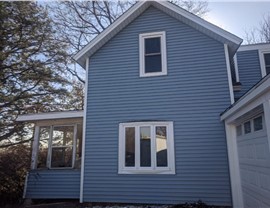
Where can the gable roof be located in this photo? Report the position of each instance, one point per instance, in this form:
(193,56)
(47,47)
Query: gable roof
(182,15)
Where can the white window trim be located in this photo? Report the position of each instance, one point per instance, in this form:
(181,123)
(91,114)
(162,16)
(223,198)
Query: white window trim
(146,170)
(262,62)
(49,155)
(163,49)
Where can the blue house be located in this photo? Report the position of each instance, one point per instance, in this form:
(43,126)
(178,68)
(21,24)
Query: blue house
(155,128)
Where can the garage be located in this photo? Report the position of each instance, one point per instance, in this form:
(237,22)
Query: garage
(254,161)
(247,124)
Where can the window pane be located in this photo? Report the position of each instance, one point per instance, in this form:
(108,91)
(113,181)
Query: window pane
(258,125)
(267,59)
(239,130)
(161,145)
(152,45)
(152,63)
(63,135)
(267,62)
(44,135)
(130,147)
(145,146)
(247,127)
(61,157)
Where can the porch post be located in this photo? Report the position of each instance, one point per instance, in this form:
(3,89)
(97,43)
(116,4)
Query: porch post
(266,108)
(35,148)
(236,189)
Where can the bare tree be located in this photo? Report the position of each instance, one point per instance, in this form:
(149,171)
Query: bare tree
(78,22)
(259,34)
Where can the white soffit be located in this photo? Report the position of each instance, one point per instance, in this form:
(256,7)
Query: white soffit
(182,15)
(259,46)
(50,115)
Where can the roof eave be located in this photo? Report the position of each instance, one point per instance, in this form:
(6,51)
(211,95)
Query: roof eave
(188,18)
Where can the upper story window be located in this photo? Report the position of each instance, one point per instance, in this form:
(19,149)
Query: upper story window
(267,62)
(153,54)
(146,147)
(264,56)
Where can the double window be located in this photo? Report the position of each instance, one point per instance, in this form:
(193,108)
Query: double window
(153,54)
(146,147)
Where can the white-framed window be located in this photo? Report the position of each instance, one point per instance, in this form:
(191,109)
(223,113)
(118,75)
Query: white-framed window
(265,62)
(146,148)
(59,146)
(153,58)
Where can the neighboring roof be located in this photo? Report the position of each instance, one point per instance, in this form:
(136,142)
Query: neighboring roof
(175,11)
(259,89)
(257,46)
(50,115)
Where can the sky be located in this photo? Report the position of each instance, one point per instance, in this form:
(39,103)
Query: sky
(237,16)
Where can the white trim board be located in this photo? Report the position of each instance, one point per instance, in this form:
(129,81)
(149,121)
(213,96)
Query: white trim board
(182,15)
(229,73)
(50,115)
(260,46)
(84,130)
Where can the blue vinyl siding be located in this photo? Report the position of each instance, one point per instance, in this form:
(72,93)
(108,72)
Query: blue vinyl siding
(53,184)
(249,70)
(192,95)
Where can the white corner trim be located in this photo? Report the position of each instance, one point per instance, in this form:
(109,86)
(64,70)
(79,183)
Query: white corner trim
(229,74)
(50,115)
(262,61)
(163,50)
(236,189)
(137,169)
(236,68)
(25,185)
(260,46)
(35,148)
(84,130)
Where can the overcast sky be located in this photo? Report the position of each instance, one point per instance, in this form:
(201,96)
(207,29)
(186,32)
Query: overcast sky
(236,17)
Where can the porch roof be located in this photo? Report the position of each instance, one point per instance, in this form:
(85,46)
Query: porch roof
(256,96)
(50,116)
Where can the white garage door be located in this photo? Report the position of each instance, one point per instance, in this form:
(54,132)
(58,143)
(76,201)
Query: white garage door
(254,159)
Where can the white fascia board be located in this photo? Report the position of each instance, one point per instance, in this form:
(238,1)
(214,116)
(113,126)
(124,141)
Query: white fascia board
(194,18)
(257,91)
(108,30)
(260,46)
(79,57)
(50,115)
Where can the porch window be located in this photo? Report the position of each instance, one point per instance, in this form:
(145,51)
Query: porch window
(146,147)
(59,146)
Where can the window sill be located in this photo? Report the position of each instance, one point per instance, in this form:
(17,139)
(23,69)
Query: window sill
(163,171)
(153,74)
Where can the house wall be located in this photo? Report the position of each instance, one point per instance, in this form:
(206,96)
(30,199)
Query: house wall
(53,184)
(249,70)
(192,95)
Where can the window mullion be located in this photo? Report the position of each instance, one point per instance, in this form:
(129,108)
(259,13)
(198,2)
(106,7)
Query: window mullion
(137,147)
(74,145)
(50,148)
(153,147)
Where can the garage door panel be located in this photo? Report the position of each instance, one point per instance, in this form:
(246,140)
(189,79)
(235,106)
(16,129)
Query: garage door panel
(254,162)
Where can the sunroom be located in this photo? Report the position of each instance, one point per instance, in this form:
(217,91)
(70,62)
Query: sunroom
(56,155)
